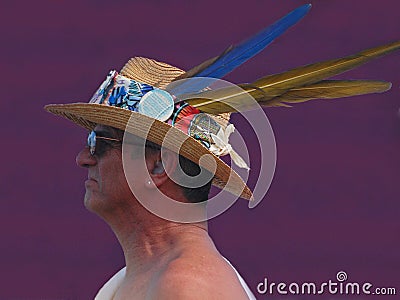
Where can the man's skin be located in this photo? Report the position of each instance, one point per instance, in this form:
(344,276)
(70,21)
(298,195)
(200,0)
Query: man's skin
(164,259)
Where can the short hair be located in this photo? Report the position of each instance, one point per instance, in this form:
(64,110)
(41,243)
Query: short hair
(189,168)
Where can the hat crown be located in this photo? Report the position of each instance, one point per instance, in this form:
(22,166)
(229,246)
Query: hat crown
(150,71)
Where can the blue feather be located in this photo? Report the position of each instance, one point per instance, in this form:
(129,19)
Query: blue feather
(236,56)
(252,46)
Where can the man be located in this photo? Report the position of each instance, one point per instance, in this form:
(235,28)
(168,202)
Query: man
(155,200)
(164,259)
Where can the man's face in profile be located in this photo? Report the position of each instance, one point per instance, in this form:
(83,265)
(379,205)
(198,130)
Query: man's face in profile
(106,186)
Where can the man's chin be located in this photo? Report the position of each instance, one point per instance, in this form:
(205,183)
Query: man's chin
(94,203)
(89,201)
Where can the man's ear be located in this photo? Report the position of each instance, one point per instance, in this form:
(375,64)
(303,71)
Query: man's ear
(162,165)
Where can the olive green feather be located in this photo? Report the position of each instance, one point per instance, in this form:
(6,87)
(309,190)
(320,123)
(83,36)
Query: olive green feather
(326,89)
(296,85)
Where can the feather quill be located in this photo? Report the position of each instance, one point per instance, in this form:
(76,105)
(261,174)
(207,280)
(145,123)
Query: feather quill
(273,86)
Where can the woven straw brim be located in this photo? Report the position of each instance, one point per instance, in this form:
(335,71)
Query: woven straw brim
(88,115)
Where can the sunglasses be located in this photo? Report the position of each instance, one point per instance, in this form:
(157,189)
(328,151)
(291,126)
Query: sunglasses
(98,145)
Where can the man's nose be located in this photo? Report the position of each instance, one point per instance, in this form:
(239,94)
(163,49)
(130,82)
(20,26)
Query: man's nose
(84,159)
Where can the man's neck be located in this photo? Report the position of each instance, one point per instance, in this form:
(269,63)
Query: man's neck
(152,241)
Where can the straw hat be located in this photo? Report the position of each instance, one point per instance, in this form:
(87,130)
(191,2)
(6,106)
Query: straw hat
(148,72)
(136,100)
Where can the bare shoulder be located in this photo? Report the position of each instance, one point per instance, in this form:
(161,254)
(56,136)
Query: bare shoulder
(205,275)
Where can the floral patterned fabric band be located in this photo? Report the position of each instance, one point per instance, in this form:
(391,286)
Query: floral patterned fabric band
(123,92)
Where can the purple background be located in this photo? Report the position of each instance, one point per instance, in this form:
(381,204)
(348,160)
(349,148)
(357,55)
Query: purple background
(333,204)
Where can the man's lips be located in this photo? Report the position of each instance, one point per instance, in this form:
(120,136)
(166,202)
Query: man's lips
(92,179)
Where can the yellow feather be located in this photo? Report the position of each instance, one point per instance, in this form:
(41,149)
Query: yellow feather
(273,86)
(276,85)
(329,89)
(326,89)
